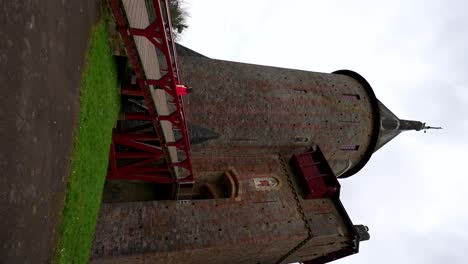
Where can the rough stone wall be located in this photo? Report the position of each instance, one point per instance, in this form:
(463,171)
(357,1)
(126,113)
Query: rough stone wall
(329,230)
(235,230)
(258,226)
(267,109)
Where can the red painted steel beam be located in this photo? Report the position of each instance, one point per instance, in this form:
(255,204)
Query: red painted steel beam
(160,35)
(131,91)
(143,163)
(159,178)
(135,155)
(113,159)
(136,128)
(137,116)
(135,136)
(184,164)
(178,144)
(144,170)
(174,118)
(139,145)
(118,13)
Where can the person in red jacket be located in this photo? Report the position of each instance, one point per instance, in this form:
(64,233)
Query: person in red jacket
(183,89)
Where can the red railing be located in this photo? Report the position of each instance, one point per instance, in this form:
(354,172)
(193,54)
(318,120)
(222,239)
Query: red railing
(141,151)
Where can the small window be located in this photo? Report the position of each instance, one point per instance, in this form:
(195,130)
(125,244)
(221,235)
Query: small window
(301,140)
(352,96)
(350,147)
(300,91)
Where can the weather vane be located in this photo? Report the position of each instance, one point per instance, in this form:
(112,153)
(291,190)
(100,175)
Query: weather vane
(429,127)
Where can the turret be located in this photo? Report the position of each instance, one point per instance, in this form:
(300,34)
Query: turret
(247,109)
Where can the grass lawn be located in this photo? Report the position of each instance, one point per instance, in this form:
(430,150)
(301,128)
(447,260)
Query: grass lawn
(99,107)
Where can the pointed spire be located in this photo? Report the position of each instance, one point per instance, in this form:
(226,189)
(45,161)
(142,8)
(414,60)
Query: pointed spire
(391,126)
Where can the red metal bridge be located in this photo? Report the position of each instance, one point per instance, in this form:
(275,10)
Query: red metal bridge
(150,142)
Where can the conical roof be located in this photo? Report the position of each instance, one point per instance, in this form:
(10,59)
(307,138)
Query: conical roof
(391,126)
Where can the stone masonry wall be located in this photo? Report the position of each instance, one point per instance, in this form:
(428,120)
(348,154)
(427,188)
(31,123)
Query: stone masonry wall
(267,109)
(204,231)
(260,225)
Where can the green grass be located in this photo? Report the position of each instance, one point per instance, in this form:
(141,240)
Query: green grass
(99,107)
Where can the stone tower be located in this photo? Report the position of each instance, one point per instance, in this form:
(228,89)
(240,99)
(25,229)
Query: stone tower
(252,109)
(267,145)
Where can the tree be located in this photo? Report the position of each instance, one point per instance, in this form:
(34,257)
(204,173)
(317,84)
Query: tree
(178,15)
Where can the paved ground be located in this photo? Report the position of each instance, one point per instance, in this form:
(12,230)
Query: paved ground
(42,46)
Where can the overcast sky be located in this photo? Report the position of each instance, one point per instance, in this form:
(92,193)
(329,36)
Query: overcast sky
(415,56)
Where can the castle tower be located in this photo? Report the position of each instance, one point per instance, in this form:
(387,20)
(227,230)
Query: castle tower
(249,109)
(267,145)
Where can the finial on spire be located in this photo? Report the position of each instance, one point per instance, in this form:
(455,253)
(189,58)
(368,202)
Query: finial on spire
(429,127)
